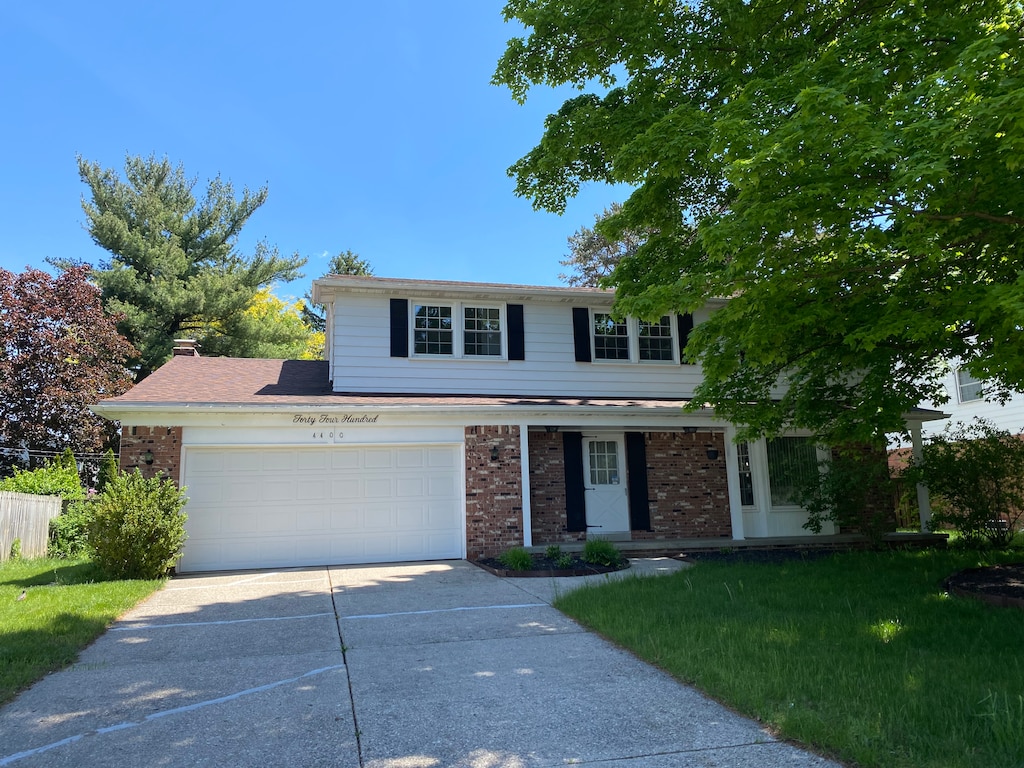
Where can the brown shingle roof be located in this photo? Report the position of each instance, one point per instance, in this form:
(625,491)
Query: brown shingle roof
(187,380)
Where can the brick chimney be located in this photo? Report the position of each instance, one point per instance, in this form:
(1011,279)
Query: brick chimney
(185,348)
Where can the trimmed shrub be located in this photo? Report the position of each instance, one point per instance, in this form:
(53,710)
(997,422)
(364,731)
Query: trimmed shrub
(601,552)
(138,528)
(108,470)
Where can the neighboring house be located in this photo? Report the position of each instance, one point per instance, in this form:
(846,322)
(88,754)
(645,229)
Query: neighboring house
(967,402)
(454,420)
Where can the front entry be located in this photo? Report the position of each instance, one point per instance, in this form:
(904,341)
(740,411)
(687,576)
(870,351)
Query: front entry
(604,493)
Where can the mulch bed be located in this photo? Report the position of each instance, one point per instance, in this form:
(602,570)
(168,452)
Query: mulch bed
(1001,585)
(544,566)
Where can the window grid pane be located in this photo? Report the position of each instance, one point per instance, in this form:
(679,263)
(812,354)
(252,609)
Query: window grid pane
(604,462)
(791,460)
(656,339)
(970,387)
(746,475)
(611,339)
(482,331)
(432,330)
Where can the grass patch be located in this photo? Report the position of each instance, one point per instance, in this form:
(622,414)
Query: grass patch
(860,655)
(67,604)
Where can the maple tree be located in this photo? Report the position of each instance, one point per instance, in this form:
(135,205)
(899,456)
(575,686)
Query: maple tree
(59,353)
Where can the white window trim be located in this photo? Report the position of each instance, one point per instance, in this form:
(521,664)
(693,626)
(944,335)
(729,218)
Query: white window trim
(633,337)
(961,384)
(458,328)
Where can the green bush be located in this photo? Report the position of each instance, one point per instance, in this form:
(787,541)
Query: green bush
(516,559)
(976,471)
(69,531)
(57,478)
(553,552)
(108,470)
(601,552)
(138,528)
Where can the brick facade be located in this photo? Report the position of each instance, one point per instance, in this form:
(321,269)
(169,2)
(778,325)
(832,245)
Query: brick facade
(687,491)
(547,491)
(494,491)
(163,442)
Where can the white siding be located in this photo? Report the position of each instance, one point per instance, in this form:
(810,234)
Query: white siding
(362,361)
(1009,416)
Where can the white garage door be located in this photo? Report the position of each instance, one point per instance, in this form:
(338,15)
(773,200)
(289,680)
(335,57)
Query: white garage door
(272,508)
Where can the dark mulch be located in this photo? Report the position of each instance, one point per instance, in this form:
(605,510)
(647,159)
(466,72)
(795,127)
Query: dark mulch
(758,555)
(996,584)
(545,566)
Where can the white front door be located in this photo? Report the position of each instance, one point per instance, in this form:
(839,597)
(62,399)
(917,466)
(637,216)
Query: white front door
(604,478)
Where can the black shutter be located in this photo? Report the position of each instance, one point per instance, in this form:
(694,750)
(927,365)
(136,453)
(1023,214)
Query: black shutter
(581,333)
(516,333)
(575,506)
(685,326)
(399,328)
(636,467)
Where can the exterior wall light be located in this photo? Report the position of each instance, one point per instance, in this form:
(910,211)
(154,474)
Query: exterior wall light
(712,453)
(494,453)
(147,458)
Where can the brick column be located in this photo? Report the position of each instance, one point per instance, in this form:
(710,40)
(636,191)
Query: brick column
(494,491)
(163,442)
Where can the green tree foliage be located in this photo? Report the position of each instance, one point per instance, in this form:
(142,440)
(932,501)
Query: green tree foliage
(592,256)
(279,330)
(138,527)
(976,471)
(57,477)
(345,263)
(59,353)
(175,269)
(108,470)
(849,175)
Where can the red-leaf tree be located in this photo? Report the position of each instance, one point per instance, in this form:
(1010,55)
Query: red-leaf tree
(59,353)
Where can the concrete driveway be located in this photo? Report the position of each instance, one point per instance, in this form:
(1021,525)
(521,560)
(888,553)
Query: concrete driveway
(401,666)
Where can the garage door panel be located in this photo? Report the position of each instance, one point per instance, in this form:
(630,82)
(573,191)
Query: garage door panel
(279,507)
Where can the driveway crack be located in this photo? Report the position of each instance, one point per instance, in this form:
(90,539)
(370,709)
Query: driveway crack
(348,674)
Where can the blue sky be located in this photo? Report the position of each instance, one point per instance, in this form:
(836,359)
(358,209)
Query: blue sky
(374,125)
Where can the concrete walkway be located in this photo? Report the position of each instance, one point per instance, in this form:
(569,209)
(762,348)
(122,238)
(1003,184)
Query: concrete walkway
(404,666)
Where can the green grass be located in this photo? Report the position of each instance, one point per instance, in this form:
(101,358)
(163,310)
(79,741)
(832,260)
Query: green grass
(66,606)
(862,655)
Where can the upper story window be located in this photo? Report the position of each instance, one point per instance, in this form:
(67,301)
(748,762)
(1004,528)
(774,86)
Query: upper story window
(633,340)
(477,333)
(968,387)
(611,338)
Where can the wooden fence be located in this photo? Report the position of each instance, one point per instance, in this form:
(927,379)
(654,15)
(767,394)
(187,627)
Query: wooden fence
(26,517)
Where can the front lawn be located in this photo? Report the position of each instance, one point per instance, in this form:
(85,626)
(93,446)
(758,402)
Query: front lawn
(65,607)
(860,655)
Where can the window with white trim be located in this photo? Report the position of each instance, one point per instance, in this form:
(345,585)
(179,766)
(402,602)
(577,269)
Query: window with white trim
(968,386)
(746,474)
(632,340)
(791,461)
(478,333)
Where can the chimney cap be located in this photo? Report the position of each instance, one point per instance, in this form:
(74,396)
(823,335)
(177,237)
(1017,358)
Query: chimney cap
(185,348)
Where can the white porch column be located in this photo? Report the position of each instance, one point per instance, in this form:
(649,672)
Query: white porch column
(524,468)
(924,504)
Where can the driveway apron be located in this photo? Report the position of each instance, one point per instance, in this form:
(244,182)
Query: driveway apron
(416,665)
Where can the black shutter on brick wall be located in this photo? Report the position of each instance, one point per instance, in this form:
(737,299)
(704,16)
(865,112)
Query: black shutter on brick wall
(516,332)
(636,468)
(399,328)
(575,506)
(685,326)
(581,333)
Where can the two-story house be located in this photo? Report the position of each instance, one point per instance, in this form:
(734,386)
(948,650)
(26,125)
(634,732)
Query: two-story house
(453,420)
